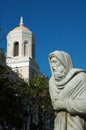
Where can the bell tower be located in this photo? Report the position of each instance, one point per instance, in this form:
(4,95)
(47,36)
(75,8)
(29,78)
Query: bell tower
(21,44)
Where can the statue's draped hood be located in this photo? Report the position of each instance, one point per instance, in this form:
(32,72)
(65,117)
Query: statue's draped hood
(66,60)
(63,57)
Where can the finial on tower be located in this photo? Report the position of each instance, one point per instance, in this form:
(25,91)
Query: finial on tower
(21,21)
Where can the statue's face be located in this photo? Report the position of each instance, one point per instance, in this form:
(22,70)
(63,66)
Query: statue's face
(59,71)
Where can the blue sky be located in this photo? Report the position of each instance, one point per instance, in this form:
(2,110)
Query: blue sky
(57,25)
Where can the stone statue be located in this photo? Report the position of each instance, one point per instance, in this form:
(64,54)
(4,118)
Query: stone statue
(67,88)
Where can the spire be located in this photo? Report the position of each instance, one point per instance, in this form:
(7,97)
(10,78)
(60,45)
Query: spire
(21,21)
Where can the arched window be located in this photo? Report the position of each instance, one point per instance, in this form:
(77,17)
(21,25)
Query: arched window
(25,48)
(16,48)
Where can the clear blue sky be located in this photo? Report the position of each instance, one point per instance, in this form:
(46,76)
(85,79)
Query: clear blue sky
(57,24)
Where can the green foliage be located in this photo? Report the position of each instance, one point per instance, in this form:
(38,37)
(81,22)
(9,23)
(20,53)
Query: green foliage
(40,100)
(12,92)
(2,56)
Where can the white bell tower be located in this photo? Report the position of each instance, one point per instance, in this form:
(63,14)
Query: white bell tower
(21,51)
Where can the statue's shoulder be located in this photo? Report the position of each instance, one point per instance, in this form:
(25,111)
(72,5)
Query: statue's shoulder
(82,75)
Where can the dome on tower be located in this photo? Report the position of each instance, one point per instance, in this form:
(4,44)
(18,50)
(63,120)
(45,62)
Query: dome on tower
(21,27)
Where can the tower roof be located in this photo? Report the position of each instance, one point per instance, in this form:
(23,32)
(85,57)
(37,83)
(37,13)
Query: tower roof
(21,27)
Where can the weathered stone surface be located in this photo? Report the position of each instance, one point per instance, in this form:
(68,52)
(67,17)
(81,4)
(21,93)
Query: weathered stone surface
(67,87)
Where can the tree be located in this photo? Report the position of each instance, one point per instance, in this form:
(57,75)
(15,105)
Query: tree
(42,112)
(2,56)
(12,93)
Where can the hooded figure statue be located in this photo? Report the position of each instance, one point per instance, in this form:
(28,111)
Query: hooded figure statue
(67,88)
